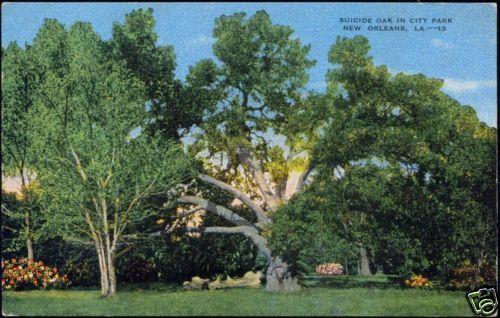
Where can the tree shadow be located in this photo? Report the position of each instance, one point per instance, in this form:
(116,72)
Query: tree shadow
(344,281)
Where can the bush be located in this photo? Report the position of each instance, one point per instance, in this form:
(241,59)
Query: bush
(471,276)
(417,281)
(25,274)
(330,269)
(83,272)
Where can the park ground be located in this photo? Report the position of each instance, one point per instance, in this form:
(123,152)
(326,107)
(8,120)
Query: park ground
(348,298)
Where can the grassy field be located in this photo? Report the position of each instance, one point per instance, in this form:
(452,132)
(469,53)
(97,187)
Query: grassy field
(169,300)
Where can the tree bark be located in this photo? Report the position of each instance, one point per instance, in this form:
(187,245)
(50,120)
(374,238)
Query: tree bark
(29,245)
(364,262)
(108,252)
(250,161)
(27,216)
(111,274)
(106,270)
(346,268)
(261,216)
(217,209)
(103,271)
(302,178)
(279,278)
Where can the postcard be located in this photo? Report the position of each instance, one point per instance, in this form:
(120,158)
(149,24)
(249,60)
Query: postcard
(255,158)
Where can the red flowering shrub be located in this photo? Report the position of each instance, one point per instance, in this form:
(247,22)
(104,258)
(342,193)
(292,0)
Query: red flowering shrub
(21,274)
(330,269)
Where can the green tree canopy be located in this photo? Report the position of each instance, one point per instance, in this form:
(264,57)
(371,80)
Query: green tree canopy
(172,107)
(401,165)
(94,175)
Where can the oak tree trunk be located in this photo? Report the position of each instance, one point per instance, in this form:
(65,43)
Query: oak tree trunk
(279,278)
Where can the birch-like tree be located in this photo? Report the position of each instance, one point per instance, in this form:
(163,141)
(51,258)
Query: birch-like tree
(95,168)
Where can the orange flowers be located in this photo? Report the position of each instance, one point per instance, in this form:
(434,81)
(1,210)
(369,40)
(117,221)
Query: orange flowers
(417,281)
(26,274)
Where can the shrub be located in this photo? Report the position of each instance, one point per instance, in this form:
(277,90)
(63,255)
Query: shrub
(417,281)
(22,274)
(470,276)
(330,269)
(83,272)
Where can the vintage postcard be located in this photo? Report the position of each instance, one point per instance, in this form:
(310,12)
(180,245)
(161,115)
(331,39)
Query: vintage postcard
(255,158)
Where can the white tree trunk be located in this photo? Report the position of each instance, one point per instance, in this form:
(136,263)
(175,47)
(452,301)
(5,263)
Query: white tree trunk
(364,262)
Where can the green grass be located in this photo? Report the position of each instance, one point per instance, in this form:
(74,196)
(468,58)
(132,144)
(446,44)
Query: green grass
(172,301)
(347,281)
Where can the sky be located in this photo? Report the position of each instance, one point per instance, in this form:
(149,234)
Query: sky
(464,55)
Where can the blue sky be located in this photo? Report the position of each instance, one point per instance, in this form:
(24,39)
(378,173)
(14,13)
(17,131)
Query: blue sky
(464,55)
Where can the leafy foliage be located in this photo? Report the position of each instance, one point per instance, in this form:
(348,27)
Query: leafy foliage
(254,91)
(172,106)
(469,276)
(399,168)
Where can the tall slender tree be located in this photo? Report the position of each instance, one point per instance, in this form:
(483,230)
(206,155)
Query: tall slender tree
(19,83)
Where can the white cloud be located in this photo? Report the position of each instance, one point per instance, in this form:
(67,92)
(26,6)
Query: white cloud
(200,40)
(442,44)
(460,86)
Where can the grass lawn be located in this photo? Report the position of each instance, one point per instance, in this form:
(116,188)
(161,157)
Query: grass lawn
(169,300)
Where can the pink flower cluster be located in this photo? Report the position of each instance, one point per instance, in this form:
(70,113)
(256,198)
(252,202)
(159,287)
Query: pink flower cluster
(330,269)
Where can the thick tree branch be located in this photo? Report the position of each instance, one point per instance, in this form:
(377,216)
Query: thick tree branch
(245,157)
(261,216)
(217,209)
(187,213)
(303,177)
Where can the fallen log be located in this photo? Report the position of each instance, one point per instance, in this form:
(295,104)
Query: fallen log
(250,279)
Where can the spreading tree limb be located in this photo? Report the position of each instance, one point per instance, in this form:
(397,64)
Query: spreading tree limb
(261,216)
(248,159)
(217,209)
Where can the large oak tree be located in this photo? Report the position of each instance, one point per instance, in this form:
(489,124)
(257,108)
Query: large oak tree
(254,92)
